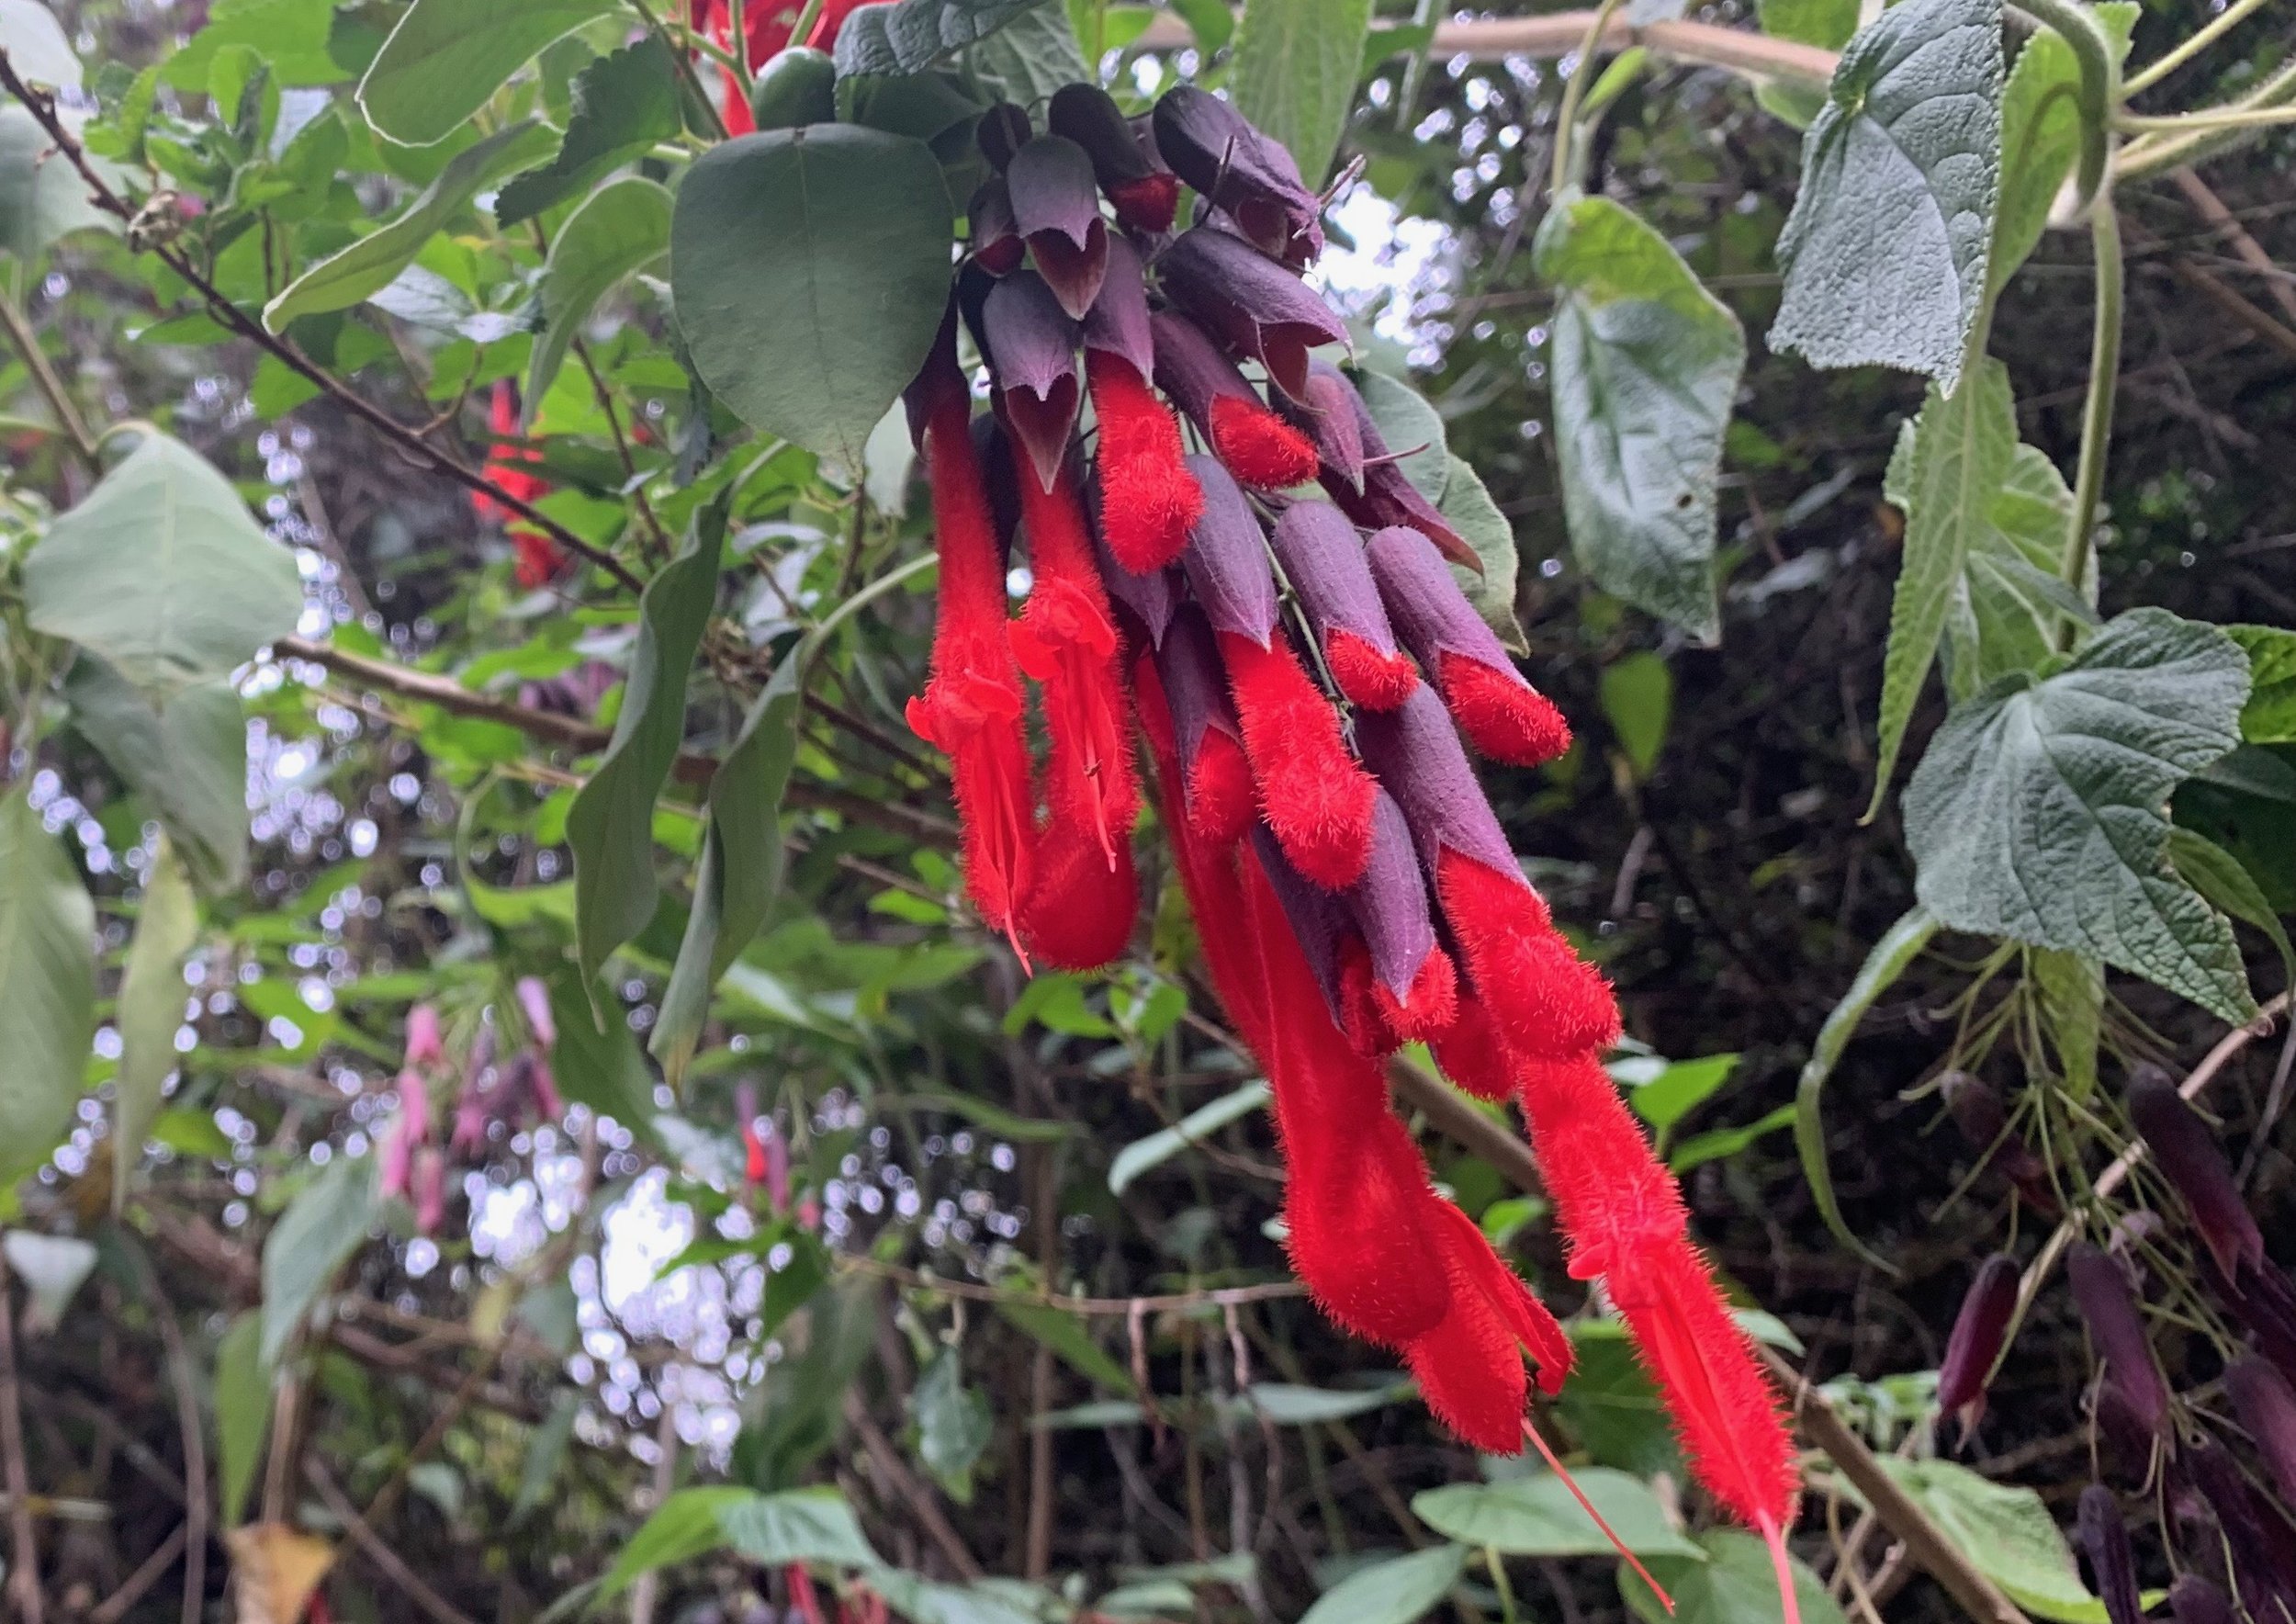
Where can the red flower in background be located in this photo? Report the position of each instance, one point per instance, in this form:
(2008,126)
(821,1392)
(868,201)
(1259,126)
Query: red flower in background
(509,470)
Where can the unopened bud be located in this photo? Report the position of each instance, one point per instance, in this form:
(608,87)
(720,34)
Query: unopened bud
(1975,1344)
(2105,1538)
(2189,1158)
(2109,1308)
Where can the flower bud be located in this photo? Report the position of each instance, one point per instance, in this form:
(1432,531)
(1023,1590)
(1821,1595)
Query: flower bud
(1215,778)
(2262,1550)
(1240,171)
(425,1046)
(1057,209)
(2262,1299)
(2109,1308)
(1415,986)
(2190,1159)
(994,237)
(2105,1537)
(1256,446)
(1227,557)
(1975,1344)
(2266,1407)
(1383,494)
(534,1002)
(1146,195)
(1976,1111)
(1326,414)
(1256,306)
(429,1189)
(1031,348)
(1323,560)
(1003,131)
(1505,717)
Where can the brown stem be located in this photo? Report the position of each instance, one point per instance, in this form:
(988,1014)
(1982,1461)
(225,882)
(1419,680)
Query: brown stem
(44,374)
(919,1499)
(371,1545)
(114,1608)
(43,108)
(24,1571)
(386,1498)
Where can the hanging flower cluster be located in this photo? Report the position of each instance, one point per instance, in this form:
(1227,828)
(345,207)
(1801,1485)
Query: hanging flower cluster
(489,1090)
(508,470)
(1354,888)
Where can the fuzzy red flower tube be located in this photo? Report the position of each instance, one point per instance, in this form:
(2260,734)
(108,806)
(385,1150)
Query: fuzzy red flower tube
(1148,499)
(1255,444)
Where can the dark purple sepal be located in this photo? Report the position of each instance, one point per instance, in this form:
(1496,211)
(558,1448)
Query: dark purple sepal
(1415,754)
(1385,495)
(1424,604)
(1975,1344)
(2261,1545)
(2261,1298)
(1031,346)
(1226,558)
(1195,684)
(1057,208)
(1326,413)
(1317,919)
(1257,307)
(937,382)
(993,237)
(2105,1538)
(1088,116)
(1323,560)
(1389,903)
(2194,1600)
(2116,1330)
(1003,131)
(1194,371)
(2265,1404)
(1148,599)
(2190,1157)
(1240,171)
(1119,323)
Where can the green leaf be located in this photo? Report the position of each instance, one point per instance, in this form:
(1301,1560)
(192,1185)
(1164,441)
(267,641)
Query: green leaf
(797,1525)
(682,1526)
(323,1227)
(1890,957)
(914,35)
(2269,717)
(1722,1143)
(187,757)
(2039,811)
(446,58)
(1646,364)
(291,36)
(1281,1404)
(2011,609)
(1392,1592)
(242,1412)
(369,264)
(37,46)
(740,870)
(41,198)
(1294,73)
(150,1010)
(1536,1516)
(621,105)
(1065,1334)
(47,988)
(1827,24)
(1468,506)
(1734,1585)
(811,270)
(1637,695)
(1884,254)
(2069,995)
(2218,875)
(611,824)
(546,1450)
(620,229)
(2040,132)
(954,1424)
(1679,1090)
(1210,20)
(2006,1532)
(1199,1125)
(1028,59)
(161,571)
(1961,449)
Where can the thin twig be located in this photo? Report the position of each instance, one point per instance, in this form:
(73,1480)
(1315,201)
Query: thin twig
(24,1570)
(44,375)
(386,1498)
(43,108)
(903,1481)
(114,1608)
(372,1546)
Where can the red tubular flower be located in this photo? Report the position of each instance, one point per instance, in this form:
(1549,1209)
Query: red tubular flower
(539,558)
(1471,1053)
(1247,177)
(1257,307)
(1504,716)
(1058,210)
(1611,1198)
(1078,914)
(1148,500)
(1414,987)
(992,236)
(1975,1344)
(1546,1002)
(1146,195)
(1212,777)
(972,708)
(1066,640)
(1257,447)
(1031,347)
(1323,560)
(1312,793)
